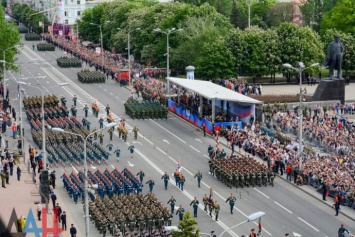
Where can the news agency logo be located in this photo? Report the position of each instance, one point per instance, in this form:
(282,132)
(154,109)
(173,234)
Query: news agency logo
(30,225)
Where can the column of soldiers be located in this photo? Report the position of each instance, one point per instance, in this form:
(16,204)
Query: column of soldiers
(132,214)
(239,171)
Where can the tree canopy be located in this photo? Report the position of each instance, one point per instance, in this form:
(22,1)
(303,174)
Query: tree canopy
(187,227)
(9,37)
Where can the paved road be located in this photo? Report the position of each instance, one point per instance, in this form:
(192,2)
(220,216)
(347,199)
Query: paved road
(163,142)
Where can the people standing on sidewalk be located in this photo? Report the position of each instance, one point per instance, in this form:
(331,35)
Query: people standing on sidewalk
(39,211)
(72,231)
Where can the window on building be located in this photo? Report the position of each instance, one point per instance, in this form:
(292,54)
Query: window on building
(78,2)
(79,13)
(65,14)
(66,22)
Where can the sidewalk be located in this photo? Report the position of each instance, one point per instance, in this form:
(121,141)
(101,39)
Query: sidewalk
(21,197)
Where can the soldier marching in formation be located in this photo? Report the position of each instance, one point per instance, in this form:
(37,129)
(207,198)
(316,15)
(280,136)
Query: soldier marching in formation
(135,131)
(110,132)
(75,99)
(172,202)
(63,101)
(180,211)
(141,175)
(132,214)
(118,153)
(166,180)
(239,171)
(86,110)
(195,204)
(151,184)
(101,122)
(199,178)
(101,138)
(205,202)
(107,109)
(231,201)
(216,208)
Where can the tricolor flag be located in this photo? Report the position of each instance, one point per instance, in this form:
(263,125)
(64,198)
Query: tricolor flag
(179,165)
(260,228)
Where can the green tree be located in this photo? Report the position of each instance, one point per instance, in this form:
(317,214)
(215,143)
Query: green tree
(187,227)
(313,11)
(348,63)
(341,17)
(279,13)
(236,44)
(299,44)
(9,37)
(4,3)
(215,60)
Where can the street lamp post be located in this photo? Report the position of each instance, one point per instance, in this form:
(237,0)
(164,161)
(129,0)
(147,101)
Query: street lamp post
(129,52)
(86,185)
(300,70)
(168,32)
(102,42)
(3,64)
(249,5)
(250,218)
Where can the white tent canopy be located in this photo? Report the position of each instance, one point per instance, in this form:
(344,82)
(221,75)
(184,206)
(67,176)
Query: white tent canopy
(211,90)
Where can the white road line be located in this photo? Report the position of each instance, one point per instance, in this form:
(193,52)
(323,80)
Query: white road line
(283,207)
(262,193)
(184,192)
(198,140)
(111,93)
(161,150)
(195,149)
(308,224)
(168,131)
(105,89)
(267,232)
(206,156)
(166,141)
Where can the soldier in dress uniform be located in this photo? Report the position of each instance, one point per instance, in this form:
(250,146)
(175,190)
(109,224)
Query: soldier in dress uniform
(75,100)
(181,212)
(63,101)
(135,131)
(107,109)
(231,201)
(176,176)
(205,202)
(181,181)
(110,147)
(195,204)
(86,109)
(210,205)
(172,202)
(151,184)
(166,180)
(101,122)
(131,150)
(216,208)
(101,138)
(199,177)
(141,175)
(110,131)
(88,125)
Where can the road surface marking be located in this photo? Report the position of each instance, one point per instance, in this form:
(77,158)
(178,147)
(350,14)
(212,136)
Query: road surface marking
(198,140)
(117,97)
(298,235)
(206,156)
(195,149)
(137,143)
(283,207)
(166,141)
(105,89)
(168,131)
(262,193)
(111,93)
(308,224)
(161,150)
(184,192)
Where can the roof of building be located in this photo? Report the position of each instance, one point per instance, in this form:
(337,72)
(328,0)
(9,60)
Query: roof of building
(212,91)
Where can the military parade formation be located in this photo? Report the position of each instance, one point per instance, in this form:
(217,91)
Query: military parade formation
(145,109)
(240,171)
(32,37)
(45,47)
(87,76)
(65,62)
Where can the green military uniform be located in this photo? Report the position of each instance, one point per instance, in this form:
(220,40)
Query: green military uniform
(110,131)
(216,209)
(107,110)
(135,131)
(101,138)
(205,202)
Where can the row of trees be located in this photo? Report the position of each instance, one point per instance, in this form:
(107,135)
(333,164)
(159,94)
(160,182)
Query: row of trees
(23,13)
(9,37)
(208,41)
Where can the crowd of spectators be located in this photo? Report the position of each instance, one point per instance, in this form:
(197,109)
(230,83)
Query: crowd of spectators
(240,86)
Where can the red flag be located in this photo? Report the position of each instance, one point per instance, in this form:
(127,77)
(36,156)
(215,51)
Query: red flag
(260,228)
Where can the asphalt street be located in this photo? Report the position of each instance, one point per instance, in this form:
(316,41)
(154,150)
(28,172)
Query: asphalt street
(159,147)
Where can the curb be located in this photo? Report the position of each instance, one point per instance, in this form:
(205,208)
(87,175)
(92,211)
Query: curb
(315,197)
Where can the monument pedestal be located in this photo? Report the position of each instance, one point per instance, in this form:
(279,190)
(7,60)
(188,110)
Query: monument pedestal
(330,89)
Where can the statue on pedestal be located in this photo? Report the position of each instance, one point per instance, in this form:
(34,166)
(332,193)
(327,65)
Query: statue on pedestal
(334,57)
